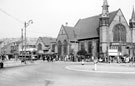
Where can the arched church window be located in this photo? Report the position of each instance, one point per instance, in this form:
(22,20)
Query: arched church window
(65,44)
(82,46)
(59,47)
(119,33)
(90,47)
(39,46)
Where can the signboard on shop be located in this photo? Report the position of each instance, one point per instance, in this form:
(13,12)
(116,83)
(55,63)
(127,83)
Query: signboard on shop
(113,52)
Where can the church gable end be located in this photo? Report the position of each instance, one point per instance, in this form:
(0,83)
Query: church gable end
(62,34)
(119,19)
(62,31)
(39,41)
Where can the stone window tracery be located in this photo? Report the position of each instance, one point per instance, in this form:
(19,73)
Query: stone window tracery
(119,33)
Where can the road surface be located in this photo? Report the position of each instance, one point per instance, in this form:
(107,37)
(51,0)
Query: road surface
(55,74)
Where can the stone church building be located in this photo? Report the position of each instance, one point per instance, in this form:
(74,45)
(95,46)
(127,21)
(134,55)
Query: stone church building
(99,34)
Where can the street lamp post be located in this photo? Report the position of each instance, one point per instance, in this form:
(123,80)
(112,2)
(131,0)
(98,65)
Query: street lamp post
(26,24)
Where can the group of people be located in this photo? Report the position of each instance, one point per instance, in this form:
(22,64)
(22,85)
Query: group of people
(117,59)
(77,58)
(49,58)
(55,57)
(109,59)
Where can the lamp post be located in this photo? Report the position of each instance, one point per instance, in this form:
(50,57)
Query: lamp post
(26,24)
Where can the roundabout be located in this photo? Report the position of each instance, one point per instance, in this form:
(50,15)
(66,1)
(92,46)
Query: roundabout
(104,68)
(68,74)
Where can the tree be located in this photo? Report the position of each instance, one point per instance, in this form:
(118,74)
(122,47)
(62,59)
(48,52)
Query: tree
(82,52)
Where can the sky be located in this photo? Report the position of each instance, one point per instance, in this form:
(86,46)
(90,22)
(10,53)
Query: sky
(49,15)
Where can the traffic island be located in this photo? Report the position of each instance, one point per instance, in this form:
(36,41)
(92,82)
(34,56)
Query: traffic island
(103,68)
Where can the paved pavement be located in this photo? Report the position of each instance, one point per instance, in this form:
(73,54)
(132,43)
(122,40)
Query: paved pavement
(122,68)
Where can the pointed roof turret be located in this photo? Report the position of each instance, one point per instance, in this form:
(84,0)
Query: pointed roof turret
(105,10)
(105,3)
(132,20)
(133,16)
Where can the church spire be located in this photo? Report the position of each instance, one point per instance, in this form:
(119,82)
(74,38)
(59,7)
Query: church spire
(133,16)
(105,2)
(104,17)
(105,10)
(132,20)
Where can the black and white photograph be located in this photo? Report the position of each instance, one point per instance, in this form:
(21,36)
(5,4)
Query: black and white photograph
(67,42)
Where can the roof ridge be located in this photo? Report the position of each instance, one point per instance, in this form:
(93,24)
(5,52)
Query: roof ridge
(87,27)
(100,14)
(68,26)
(66,31)
(77,22)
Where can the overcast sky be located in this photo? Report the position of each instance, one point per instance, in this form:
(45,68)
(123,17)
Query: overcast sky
(49,15)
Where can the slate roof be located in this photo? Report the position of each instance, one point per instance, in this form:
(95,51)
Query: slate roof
(87,27)
(47,40)
(70,33)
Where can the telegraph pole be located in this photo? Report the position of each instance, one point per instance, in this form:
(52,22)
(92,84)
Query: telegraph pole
(26,24)
(22,40)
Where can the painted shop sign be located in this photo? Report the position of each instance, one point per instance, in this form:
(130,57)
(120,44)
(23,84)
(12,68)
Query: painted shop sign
(113,52)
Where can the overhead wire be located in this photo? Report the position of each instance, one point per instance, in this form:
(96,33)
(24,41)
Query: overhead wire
(18,20)
(11,16)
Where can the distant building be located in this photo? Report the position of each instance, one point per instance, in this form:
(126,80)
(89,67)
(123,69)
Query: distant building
(8,45)
(17,47)
(10,49)
(45,45)
(0,46)
(30,46)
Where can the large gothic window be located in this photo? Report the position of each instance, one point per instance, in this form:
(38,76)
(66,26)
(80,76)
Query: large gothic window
(59,47)
(65,44)
(119,33)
